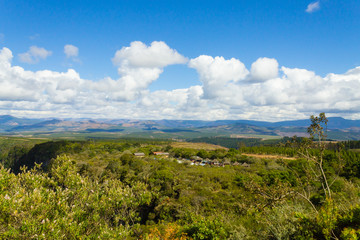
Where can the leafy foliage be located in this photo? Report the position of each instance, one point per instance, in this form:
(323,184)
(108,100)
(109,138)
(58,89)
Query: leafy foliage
(99,189)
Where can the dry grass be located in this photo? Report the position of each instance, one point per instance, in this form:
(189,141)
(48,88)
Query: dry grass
(355,150)
(267,156)
(205,146)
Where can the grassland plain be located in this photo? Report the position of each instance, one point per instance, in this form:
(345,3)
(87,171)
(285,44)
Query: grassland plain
(198,146)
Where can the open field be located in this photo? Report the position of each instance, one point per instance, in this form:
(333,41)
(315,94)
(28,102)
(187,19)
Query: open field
(263,137)
(205,146)
(267,156)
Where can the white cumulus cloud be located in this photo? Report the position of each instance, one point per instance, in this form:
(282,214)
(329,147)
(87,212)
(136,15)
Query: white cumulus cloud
(157,55)
(71,51)
(34,55)
(217,74)
(312,7)
(264,69)
(288,94)
(139,65)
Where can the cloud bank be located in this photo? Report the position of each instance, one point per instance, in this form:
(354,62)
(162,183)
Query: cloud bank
(227,89)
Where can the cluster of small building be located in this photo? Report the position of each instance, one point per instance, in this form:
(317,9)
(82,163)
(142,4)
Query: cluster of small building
(141,154)
(196,160)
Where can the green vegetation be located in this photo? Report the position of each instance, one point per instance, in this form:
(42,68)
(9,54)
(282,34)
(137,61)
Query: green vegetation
(98,189)
(232,142)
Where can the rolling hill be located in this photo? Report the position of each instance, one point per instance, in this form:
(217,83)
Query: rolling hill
(338,128)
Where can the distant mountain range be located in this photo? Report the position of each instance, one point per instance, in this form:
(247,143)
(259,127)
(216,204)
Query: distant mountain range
(338,128)
(334,123)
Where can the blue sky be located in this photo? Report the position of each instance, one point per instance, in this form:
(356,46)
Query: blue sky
(319,37)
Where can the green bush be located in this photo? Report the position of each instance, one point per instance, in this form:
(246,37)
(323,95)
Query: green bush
(204,228)
(65,205)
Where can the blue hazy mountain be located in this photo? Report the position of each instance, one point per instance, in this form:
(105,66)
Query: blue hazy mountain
(338,127)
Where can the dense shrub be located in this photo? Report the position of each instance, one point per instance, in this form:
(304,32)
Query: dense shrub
(148,198)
